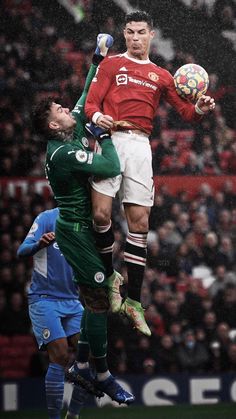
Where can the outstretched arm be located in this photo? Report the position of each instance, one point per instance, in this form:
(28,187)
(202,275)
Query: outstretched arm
(104,42)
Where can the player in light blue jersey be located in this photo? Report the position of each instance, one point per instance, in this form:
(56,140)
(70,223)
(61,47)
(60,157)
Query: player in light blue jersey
(54,308)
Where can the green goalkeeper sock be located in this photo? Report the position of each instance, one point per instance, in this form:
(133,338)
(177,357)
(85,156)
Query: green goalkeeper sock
(96,328)
(83,345)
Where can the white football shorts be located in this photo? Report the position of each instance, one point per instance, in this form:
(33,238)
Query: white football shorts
(135,184)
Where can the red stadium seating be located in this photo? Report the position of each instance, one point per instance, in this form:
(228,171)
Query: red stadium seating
(15,355)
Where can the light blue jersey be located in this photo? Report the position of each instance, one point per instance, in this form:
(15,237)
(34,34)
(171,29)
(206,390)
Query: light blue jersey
(54,308)
(51,276)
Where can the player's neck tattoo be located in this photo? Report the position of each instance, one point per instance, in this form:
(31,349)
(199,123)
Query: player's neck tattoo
(65,135)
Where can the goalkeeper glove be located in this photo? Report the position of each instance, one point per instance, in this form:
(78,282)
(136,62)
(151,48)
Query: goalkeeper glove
(99,133)
(104,42)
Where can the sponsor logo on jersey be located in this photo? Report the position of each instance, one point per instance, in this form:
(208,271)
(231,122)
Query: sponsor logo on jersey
(85,142)
(142,83)
(123,69)
(81,156)
(55,245)
(46,333)
(33,229)
(153,76)
(121,79)
(124,79)
(99,277)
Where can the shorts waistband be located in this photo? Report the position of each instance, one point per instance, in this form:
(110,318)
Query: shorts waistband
(129,127)
(132,131)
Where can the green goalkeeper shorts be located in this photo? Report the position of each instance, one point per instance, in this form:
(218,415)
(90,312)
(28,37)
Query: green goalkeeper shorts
(77,244)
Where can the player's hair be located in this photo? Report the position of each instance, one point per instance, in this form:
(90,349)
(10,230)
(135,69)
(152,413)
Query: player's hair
(40,116)
(139,16)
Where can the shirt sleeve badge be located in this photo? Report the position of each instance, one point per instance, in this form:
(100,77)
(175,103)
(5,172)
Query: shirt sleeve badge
(81,156)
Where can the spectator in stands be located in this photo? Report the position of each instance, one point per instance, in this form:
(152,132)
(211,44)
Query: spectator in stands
(215,362)
(191,307)
(155,321)
(119,352)
(219,283)
(172,312)
(192,356)
(224,223)
(149,366)
(192,166)
(225,305)
(158,212)
(222,337)
(166,252)
(161,152)
(173,235)
(183,224)
(226,255)
(183,261)
(226,16)
(232,357)
(166,355)
(230,194)
(209,325)
(176,332)
(210,249)
(230,165)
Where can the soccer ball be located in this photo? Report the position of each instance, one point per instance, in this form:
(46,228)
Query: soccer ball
(191,81)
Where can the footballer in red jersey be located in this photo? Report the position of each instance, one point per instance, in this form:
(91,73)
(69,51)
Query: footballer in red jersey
(123,97)
(129,90)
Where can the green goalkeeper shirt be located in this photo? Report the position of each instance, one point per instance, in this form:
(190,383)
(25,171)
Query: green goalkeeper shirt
(69,164)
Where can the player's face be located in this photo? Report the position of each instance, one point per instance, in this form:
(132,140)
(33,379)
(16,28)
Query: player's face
(138,37)
(61,118)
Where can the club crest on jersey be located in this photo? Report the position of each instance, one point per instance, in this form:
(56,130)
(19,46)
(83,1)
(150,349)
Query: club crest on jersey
(46,333)
(121,79)
(153,76)
(81,156)
(99,277)
(85,142)
(33,228)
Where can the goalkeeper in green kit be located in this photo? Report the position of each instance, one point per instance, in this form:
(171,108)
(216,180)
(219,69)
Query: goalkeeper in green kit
(69,164)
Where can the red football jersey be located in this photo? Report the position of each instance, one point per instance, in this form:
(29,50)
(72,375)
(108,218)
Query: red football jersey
(130,90)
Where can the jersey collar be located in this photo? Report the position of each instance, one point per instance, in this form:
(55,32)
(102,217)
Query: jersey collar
(136,61)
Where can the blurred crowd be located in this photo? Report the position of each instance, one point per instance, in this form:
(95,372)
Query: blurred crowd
(190,282)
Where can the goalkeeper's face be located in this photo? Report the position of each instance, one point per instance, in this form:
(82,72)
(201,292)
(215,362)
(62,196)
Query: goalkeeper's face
(138,36)
(61,119)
